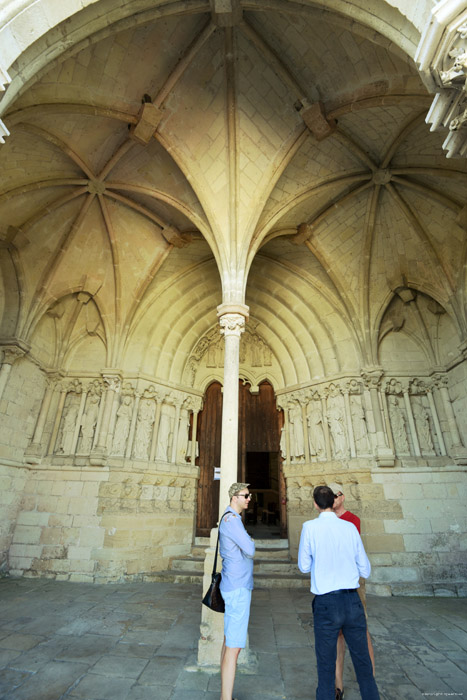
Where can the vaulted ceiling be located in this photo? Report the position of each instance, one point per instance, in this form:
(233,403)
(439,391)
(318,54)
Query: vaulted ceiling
(174,158)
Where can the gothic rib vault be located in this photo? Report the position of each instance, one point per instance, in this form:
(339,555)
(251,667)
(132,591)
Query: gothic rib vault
(164,158)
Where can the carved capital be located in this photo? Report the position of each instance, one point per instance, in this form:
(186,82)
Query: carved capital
(440,381)
(372,378)
(232,324)
(112,382)
(11,353)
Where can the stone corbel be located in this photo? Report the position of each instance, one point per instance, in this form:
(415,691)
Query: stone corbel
(316,120)
(149,117)
(173,236)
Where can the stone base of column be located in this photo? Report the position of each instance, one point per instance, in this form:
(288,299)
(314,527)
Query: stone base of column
(33,455)
(385,457)
(212,627)
(97,459)
(459,454)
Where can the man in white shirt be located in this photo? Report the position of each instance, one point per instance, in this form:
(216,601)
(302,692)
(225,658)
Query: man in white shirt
(237,550)
(332,551)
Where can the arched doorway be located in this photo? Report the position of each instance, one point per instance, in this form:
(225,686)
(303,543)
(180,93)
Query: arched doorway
(259,459)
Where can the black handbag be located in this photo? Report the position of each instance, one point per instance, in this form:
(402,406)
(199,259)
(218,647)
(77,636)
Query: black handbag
(213,598)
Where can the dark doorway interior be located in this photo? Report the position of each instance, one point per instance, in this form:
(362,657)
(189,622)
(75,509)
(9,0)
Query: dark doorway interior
(264,515)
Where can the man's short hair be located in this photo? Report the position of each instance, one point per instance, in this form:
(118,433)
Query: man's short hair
(236,488)
(323,497)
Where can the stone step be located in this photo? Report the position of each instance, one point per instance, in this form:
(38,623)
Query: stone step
(261,553)
(261,566)
(261,580)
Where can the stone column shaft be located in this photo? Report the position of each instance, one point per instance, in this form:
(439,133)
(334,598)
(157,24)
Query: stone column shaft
(348,413)
(39,430)
(78,422)
(131,435)
(451,418)
(155,430)
(232,326)
(194,428)
(439,432)
(305,433)
(58,418)
(173,458)
(413,429)
(327,437)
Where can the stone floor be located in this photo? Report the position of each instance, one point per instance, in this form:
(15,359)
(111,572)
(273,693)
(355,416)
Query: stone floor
(136,641)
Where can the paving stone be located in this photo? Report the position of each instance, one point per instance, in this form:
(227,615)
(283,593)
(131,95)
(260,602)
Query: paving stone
(96,687)
(143,651)
(49,683)
(86,649)
(7,655)
(38,656)
(150,692)
(11,678)
(20,642)
(129,667)
(163,669)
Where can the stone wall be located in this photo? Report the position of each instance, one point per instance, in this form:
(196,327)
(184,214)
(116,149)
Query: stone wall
(413,523)
(102,524)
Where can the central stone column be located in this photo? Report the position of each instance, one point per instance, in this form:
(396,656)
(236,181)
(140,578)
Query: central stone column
(232,319)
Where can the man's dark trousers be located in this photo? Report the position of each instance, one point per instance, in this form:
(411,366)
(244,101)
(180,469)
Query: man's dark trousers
(332,612)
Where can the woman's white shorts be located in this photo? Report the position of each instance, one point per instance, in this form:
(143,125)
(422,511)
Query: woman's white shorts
(236,616)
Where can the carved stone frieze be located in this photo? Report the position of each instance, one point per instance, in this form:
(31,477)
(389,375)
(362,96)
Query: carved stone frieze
(209,350)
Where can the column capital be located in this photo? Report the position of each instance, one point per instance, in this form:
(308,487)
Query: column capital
(440,380)
(112,379)
(232,324)
(13,352)
(372,377)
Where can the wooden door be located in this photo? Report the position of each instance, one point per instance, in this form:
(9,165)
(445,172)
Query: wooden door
(209,435)
(259,432)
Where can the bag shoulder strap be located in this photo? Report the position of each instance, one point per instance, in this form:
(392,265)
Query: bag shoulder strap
(217,547)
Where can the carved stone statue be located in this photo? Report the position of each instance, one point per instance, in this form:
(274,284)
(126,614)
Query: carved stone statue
(88,423)
(69,424)
(338,435)
(359,427)
(297,440)
(399,430)
(164,434)
(422,423)
(144,425)
(122,426)
(316,439)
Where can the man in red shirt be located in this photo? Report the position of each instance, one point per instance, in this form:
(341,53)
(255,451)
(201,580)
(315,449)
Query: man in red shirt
(343,514)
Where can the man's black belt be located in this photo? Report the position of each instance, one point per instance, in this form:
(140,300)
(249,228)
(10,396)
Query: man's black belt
(341,590)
